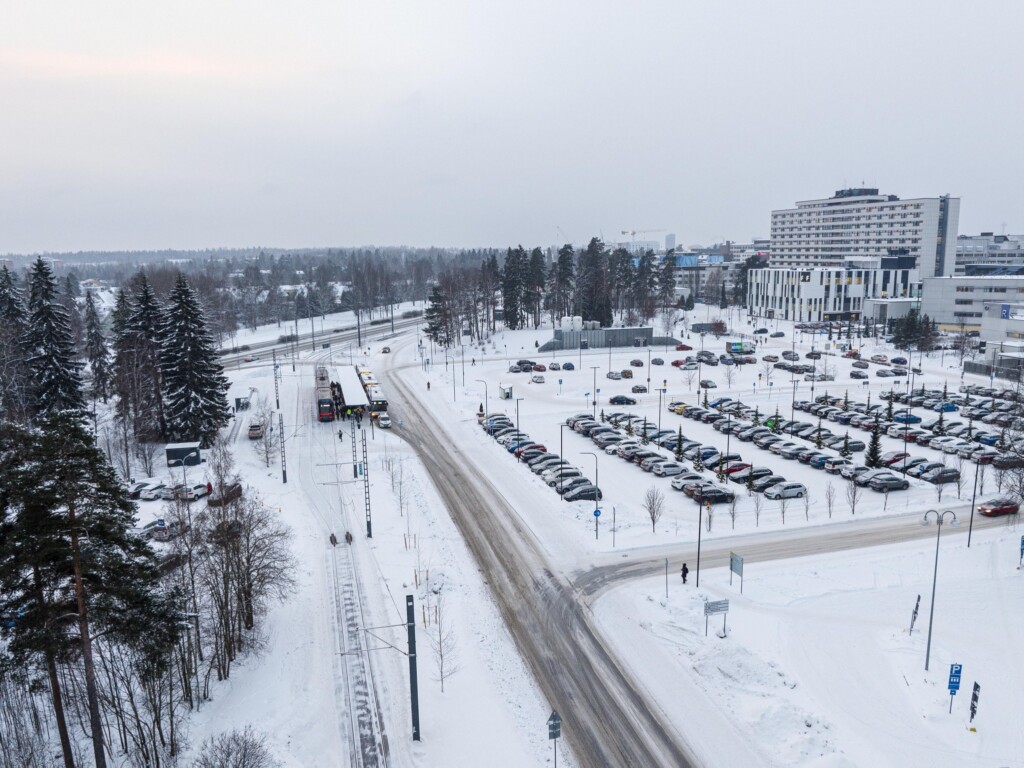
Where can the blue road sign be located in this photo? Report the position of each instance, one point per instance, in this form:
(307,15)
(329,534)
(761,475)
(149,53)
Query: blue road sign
(597,513)
(559,382)
(954,678)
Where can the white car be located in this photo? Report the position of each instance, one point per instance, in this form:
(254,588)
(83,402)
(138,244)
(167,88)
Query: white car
(668,468)
(614,375)
(537,379)
(953,446)
(384,421)
(153,492)
(786,491)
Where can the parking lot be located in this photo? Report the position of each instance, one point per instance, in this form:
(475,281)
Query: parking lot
(771,441)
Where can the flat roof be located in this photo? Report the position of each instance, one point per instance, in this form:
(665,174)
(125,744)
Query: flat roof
(351,388)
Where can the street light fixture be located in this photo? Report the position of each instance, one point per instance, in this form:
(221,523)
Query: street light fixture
(940,518)
(597,477)
(517,421)
(561,448)
(594,388)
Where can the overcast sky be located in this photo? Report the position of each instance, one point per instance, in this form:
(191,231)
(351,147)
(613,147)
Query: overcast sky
(193,124)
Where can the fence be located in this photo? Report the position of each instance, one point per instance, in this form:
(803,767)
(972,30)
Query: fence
(995,371)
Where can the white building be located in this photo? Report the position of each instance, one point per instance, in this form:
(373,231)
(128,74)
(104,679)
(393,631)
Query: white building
(855,224)
(841,292)
(988,250)
(954,301)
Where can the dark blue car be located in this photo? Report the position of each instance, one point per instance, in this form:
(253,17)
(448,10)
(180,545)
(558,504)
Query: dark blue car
(568,367)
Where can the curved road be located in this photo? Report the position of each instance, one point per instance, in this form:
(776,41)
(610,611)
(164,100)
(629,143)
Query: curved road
(608,721)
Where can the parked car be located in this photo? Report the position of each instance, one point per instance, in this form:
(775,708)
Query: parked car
(1001,505)
(586,492)
(713,494)
(919,469)
(756,472)
(683,348)
(639,389)
(568,367)
(225,495)
(888,482)
(777,335)
(679,481)
(941,475)
(657,361)
(764,483)
(136,490)
(626,373)
(613,375)
(860,364)
(708,384)
(554,367)
(621,400)
(668,469)
(786,491)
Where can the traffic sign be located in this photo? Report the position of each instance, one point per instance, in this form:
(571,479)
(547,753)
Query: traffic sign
(716,606)
(954,678)
(554,725)
(597,513)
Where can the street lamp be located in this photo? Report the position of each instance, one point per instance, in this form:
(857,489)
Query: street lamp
(648,367)
(594,391)
(597,477)
(940,518)
(487,399)
(517,420)
(700,524)
(561,448)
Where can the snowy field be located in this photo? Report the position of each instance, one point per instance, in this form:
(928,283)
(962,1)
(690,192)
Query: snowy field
(766,695)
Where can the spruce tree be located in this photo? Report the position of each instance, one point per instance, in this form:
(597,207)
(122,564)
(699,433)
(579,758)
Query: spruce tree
(940,428)
(845,451)
(195,388)
(56,379)
(874,452)
(437,318)
(70,567)
(14,373)
(888,407)
(679,445)
(757,417)
(644,439)
(817,435)
(96,350)
(776,423)
(698,461)
(143,337)
(75,322)
(750,483)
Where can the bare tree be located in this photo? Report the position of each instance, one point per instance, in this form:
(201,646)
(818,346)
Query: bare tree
(830,498)
(654,505)
(730,375)
(1000,479)
(236,749)
(267,443)
(960,477)
(443,642)
(940,488)
(668,321)
(709,515)
(767,371)
(690,376)
(758,504)
(783,505)
(853,496)
(732,511)
(981,478)
(807,506)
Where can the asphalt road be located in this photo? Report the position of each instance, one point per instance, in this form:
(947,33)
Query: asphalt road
(605,718)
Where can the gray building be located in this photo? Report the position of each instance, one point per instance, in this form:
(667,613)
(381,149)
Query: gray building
(954,301)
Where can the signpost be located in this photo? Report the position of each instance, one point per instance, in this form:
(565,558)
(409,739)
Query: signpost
(954,682)
(554,731)
(974,701)
(913,616)
(736,566)
(712,607)
(597,516)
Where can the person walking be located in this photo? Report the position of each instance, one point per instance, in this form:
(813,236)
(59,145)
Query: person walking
(684,571)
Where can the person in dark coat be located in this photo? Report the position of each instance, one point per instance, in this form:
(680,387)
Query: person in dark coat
(684,571)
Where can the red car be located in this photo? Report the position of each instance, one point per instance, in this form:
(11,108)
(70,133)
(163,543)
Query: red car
(1000,506)
(735,466)
(683,348)
(891,457)
(678,363)
(540,367)
(530,447)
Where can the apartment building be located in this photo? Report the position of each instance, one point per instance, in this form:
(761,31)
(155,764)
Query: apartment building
(860,223)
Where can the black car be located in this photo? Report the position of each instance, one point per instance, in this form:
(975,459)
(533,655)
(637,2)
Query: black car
(584,493)
(761,484)
(622,400)
(778,335)
(714,495)
(757,472)
(858,375)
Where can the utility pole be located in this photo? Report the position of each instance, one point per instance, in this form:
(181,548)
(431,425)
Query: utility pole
(366,490)
(414,692)
(277,392)
(284,465)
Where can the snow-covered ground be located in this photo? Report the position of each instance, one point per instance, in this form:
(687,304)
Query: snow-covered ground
(769,691)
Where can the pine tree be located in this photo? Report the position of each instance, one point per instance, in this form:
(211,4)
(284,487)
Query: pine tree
(644,438)
(705,398)
(70,568)
(874,453)
(776,423)
(845,451)
(970,429)
(846,400)
(679,445)
(514,283)
(14,372)
(667,281)
(75,322)
(195,388)
(940,427)
(750,483)
(698,462)
(56,379)
(757,417)
(437,318)
(817,435)
(888,407)
(96,350)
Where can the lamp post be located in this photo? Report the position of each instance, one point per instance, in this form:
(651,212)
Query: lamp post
(184,477)
(792,407)
(561,447)
(594,390)
(648,367)
(462,348)
(487,399)
(596,479)
(940,518)
(974,498)
(517,420)
(700,524)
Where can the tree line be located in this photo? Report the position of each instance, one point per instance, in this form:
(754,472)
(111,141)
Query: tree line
(104,647)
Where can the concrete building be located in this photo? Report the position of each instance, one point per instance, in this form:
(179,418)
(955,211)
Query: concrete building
(815,294)
(988,252)
(670,242)
(954,301)
(859,223)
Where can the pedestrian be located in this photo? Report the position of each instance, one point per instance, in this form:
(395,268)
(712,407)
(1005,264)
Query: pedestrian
(684,572)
